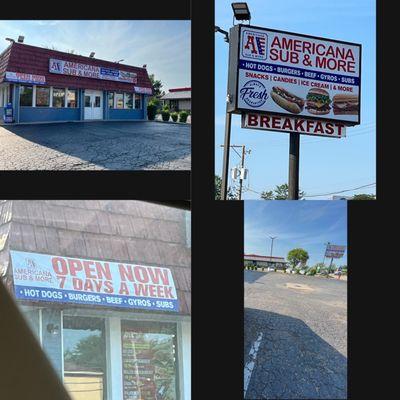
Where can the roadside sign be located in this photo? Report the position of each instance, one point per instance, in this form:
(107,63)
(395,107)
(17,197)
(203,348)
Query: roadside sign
(291,74)
(334,251)
(293,124)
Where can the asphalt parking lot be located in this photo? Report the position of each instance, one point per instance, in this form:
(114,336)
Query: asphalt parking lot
(296,330)
(141,145)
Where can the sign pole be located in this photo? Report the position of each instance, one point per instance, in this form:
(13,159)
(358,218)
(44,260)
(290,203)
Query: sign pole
(227,146)
(294,155)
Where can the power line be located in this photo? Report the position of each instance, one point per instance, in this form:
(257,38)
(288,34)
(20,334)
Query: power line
(342,191)
(325,194)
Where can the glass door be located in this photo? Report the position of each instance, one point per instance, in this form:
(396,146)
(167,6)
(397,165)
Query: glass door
(84,358)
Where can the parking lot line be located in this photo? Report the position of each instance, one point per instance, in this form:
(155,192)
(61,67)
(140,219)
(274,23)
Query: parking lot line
(248,368)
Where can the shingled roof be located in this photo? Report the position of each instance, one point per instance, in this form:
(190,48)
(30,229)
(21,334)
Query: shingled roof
(29,59)
(113,230)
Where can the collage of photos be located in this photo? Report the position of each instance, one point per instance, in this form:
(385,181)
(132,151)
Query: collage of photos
(104,213)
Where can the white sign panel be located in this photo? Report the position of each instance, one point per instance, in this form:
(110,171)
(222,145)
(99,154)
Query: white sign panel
(293,124)
(292,74)
(90,71)
(43,277)
(334,251)
(25,78)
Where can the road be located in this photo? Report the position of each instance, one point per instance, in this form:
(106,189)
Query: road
(111,145)
(303,324)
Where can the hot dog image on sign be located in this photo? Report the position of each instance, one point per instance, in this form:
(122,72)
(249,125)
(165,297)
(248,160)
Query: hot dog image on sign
(291,74)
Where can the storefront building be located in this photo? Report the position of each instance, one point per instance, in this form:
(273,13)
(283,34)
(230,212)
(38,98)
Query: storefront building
(46,85)
(264,261)
(178,99)
(105,287)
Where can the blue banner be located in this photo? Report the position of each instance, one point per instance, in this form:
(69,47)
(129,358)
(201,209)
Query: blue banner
(299,72)
(108,300)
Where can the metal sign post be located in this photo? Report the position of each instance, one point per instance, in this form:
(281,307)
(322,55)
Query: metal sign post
(294,155)
(227,146)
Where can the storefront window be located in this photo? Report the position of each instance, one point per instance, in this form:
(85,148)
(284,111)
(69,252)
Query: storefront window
(128,99)
(58,97)
(84,358)
(119,100)
(138,102)
(42,96)
(111,100)
(72,98)
(25,96)
(149,361)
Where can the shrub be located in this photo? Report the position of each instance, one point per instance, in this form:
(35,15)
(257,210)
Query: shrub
(151,111)
(183,116)
(165,114)
(174,116)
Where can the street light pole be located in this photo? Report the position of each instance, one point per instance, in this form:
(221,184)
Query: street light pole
(272,245)
(227,146)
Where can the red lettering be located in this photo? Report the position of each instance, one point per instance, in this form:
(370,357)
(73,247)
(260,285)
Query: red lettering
(264,121)
(275,122)
(74,266)
(77,284)
(59,265)
(319,128)
(329,129)
(298,125)
(141,274)
(89,270)
(252,119)
(103,270)
(287,124)
(123,289)
(157,273)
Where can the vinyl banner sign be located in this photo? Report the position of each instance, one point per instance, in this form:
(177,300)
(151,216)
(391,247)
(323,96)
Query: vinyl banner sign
(90,71)
(25,78)
(290,74)
(334,251)
(143,90)
(293,124)
(43,277)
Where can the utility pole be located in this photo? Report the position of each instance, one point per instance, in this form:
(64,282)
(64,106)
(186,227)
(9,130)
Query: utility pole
(242,170)
(326,244)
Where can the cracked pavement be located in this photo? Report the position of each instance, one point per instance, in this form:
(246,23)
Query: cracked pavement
(303,351)
(140,145)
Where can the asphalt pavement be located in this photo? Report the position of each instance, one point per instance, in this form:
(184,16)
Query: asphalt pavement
(111,145)
(302,322)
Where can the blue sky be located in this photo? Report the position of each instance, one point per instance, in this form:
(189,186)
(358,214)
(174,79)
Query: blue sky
(165,50)
(326,164)
(305,224)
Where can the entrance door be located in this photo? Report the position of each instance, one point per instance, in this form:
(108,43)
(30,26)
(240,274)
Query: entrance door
(93,104)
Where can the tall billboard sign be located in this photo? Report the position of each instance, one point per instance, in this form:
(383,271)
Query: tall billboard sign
(334,251)
(288,74)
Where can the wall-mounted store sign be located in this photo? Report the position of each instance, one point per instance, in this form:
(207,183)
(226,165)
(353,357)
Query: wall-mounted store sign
(334,251)
(21,77)
(143,90)
(90,71)
(292,124)
(290,74)
(43,277)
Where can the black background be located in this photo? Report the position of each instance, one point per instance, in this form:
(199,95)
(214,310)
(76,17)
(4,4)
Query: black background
(217,227)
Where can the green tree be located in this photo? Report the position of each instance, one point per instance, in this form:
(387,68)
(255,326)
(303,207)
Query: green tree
(364,196)
(281,192)
(296,256)
(218,185)
(157,85)
(88,353)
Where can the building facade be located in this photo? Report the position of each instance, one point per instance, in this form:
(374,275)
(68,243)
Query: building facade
(178,99)
(106,288)
(44,85)
(264,261)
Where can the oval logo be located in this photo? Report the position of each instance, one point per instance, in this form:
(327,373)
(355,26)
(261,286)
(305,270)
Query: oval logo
(254,94)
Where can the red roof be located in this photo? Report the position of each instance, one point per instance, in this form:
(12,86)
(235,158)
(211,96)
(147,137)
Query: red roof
(184,89)
(35,60)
